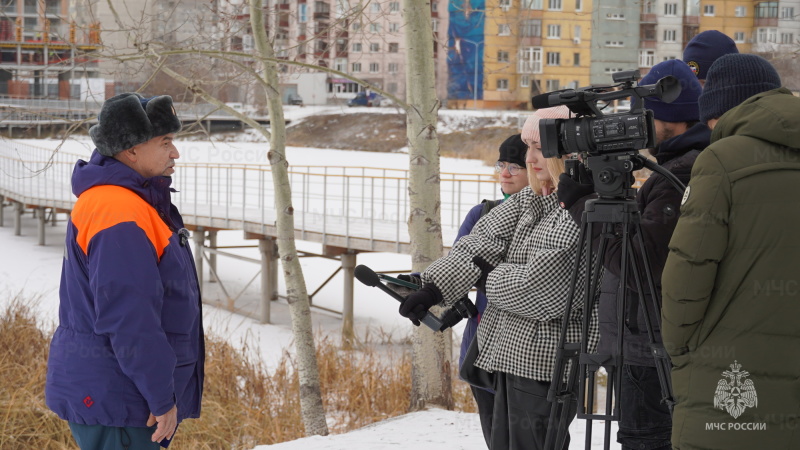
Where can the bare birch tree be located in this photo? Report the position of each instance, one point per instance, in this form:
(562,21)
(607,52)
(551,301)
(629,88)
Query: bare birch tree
(431,382)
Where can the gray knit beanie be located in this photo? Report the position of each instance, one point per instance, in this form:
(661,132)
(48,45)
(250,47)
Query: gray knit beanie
(732,79)
(129,119)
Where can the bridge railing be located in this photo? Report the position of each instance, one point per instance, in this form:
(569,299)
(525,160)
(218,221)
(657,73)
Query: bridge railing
(363,202)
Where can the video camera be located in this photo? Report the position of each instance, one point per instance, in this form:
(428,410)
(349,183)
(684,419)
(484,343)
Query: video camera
(608,143)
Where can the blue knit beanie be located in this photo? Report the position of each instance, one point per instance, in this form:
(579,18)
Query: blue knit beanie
(701,52)
(513,150)
(733,79)
(684,108)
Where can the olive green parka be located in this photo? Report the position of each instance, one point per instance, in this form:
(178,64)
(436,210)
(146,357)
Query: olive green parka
(731,284)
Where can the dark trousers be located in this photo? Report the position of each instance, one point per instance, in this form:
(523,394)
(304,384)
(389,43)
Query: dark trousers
(485,401)
(521,413)
(100,437)
(645,422)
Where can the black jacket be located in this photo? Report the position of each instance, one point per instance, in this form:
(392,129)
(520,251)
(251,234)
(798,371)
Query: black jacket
(659,202)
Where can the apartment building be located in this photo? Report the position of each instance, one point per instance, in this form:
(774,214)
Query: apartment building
(44,48)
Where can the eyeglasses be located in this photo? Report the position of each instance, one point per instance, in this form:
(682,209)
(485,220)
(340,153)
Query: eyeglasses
(513,169)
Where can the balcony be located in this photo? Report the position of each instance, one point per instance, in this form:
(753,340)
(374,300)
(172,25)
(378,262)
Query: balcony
(322,15)
(530,41)
(691,21)
(648,18)
(648,44)
(765,22)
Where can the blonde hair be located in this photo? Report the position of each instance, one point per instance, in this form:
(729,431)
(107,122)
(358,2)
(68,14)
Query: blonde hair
(530,135)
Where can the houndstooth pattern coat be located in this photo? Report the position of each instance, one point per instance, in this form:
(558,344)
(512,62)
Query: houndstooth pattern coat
(532,244)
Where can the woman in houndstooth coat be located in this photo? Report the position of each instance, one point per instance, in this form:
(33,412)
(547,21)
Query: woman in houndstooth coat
(524,250)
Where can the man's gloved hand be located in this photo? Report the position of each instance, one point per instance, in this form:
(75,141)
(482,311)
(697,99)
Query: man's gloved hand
(419,302)
(485,269)
(570,191)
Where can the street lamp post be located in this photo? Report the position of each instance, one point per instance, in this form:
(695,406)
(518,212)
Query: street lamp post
(475,73)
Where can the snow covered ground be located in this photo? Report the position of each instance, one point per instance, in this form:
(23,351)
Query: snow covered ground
(34,271)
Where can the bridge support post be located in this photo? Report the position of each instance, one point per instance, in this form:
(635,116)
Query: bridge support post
(212,258)
(269,275)
(18,219)
(348,270)
(2,209)
(42,219)
(199,237)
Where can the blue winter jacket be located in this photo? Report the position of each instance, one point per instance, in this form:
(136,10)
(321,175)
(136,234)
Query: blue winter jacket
(130,338)
(471,328)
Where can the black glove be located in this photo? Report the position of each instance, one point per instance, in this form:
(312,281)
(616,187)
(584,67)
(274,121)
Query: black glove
(417,304)
(570,191)
(485,269)
(405,291)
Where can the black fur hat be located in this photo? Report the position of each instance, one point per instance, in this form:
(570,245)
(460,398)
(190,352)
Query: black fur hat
(129,119)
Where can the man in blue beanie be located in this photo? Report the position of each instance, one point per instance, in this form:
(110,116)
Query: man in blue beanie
(701,52)
(730,284)
(645,421)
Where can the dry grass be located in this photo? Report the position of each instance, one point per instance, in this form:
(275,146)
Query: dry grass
(243,405)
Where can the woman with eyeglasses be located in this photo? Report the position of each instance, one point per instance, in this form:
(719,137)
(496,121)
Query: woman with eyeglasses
(521,254)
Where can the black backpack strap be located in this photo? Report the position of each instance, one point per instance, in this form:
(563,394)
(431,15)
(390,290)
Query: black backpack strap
(488,205)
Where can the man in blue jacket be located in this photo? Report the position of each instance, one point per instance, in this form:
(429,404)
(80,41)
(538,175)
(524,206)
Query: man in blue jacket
(126,361)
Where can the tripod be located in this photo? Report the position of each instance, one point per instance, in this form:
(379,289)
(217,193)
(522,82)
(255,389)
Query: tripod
(575,366)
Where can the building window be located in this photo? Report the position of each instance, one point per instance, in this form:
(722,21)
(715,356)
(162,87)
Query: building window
(435,25)
(787,38)
(394,27)
(374,67)
(340,64)
(649,7)
(554,32)
(741,11)
(356,48)
(505,5)
(767,35)
(529,60)
(356,67)
(708,10)
(376,7)
(531,4)
(578,5)
(553,85)
(374,47)
(302,13)
(767,9)
(374,27)
(393,67)
(502,84)
(504,29)
(435,5)
(531,28)
(669,35)
(502,56)
(647,58)
(525,81)
(614,69)
(615,44)
(576,59)
(615,16)
(394,47)
(738,37)
(392,88)
(394,7)
(787,12)
(554,5)
(553,58)
(356,26)
(670,9)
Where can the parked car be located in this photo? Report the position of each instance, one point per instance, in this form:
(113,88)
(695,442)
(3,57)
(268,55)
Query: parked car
(365,99)
(295,99)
